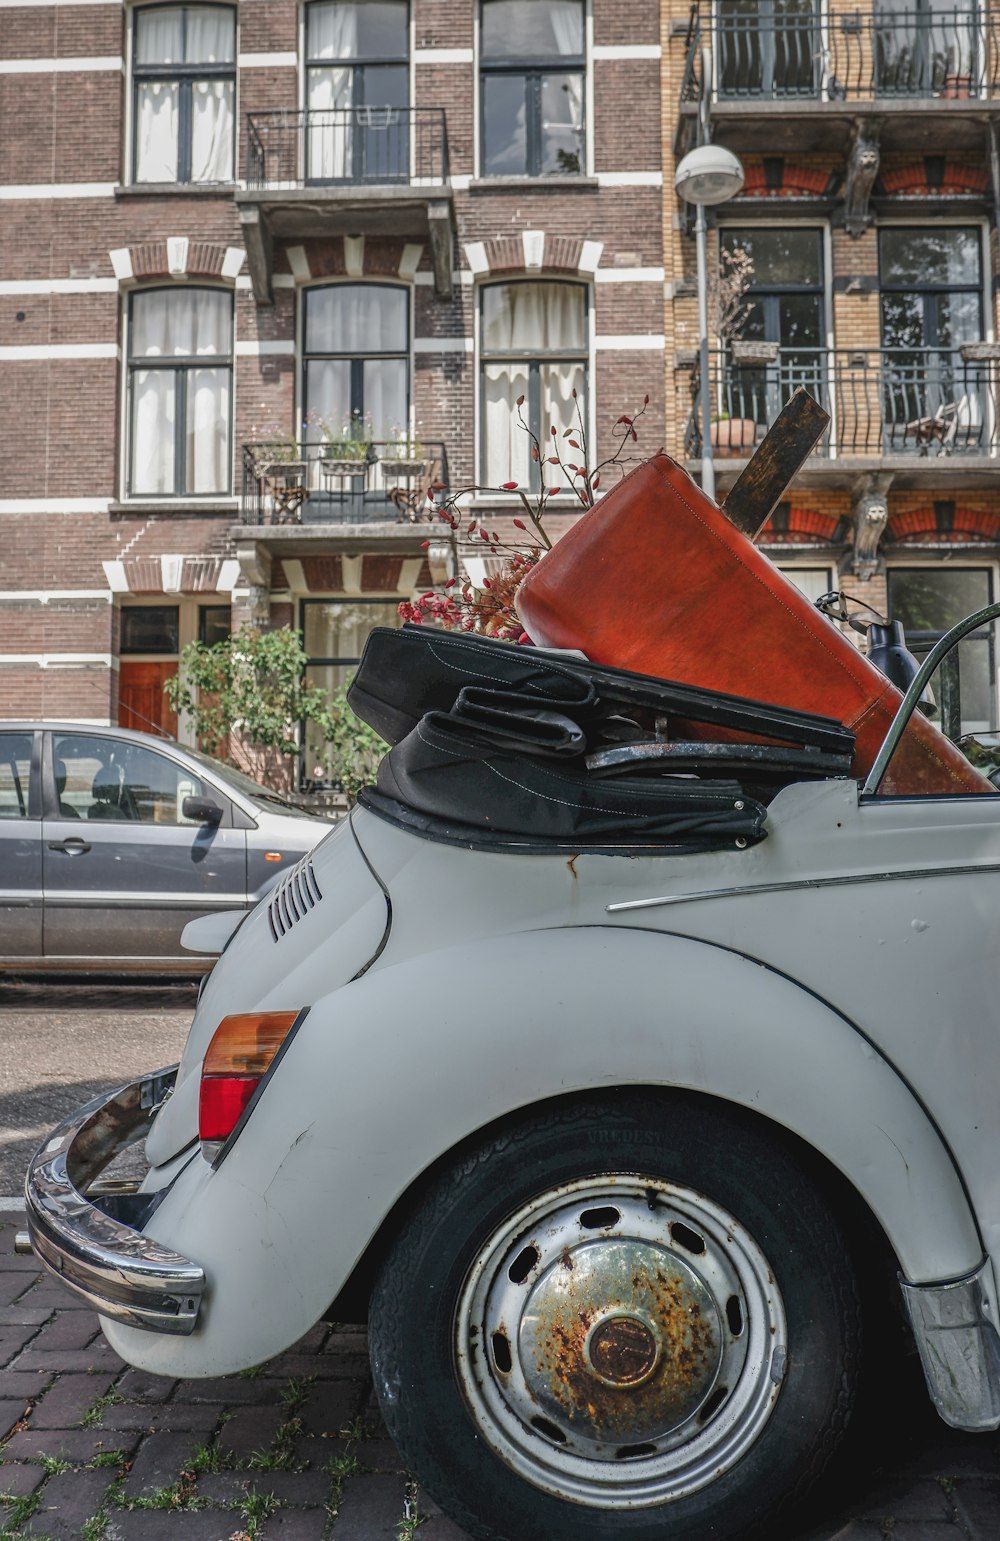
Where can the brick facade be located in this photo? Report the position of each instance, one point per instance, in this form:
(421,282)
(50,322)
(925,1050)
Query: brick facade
(75,544)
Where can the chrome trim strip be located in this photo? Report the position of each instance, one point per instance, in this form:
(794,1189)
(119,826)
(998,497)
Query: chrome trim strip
(121,1273)
(959,1347)
(89,899)
(792,885)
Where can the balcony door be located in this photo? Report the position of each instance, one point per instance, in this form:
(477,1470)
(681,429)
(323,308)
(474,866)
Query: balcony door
(933,400)
(926,48)
(784,306)
(357,91)
(768,48)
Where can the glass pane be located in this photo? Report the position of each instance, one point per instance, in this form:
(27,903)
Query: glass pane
(507,447)
(382,139)
(156,126)
(152,439)
(932,600)
(902,321)
(215,623)
(211,35)
(369,29)
(779,256)
(159,36)
(338,629)
(149,629)
(959,319)
(505,139)
(15,774)
(356,318)
(930,256)
(385,405)
(534,318)
(813,582)
(212,130)
(181,323)
(330,135)
(113,780)
(562,125)
(558,408)
(328,395)
(532,29)
(207,447)
(800,320)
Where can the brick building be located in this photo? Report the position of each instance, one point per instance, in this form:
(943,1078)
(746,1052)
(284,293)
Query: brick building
(869,140)
(235,240)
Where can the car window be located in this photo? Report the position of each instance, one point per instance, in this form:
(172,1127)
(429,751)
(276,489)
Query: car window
(15,774)
(109,779)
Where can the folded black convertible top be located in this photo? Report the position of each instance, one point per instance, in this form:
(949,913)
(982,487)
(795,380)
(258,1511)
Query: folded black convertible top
(491,737)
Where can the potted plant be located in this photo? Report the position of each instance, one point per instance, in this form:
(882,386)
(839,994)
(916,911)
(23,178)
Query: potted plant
(347,444)
(277,458)
(403,454)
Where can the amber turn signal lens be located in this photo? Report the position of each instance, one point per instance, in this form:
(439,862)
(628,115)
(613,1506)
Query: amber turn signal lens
(237,1058)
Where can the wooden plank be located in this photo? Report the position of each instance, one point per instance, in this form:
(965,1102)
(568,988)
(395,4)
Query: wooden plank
(788,442)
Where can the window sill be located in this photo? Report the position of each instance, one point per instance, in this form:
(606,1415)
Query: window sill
(175,506)
(510,502)
(175,189)
(579,184)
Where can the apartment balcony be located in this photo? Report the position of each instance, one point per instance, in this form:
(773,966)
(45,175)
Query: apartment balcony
(346,171)
(796,80)
(314,490)
(923,414)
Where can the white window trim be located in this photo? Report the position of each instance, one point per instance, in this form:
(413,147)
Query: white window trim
(478,444)
(128,146)
(180,499)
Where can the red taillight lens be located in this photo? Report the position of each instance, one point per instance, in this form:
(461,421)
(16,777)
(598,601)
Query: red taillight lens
(237,1058)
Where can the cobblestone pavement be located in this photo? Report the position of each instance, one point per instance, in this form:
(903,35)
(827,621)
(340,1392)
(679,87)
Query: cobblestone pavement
(92,1449)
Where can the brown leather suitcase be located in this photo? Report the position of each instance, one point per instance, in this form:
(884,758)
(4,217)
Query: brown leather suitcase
(656,579)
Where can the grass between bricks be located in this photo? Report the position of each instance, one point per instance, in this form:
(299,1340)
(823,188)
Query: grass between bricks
(93,1418)
(280,1454)
(412,1518)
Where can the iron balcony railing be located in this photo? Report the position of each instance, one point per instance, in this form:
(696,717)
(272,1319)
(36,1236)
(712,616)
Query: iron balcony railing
(882,402)
(313,482)
(763,52)
(346,146)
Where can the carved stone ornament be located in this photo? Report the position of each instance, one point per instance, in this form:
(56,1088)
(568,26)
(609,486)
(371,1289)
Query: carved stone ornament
(862,169)
(871,514)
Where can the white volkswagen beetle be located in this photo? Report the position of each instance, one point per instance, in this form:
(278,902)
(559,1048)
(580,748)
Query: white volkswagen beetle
(604,1094)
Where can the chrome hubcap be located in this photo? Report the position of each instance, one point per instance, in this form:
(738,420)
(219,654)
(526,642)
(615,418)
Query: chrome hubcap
(620,1341)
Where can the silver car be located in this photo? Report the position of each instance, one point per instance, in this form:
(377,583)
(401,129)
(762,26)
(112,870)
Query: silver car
(112,840)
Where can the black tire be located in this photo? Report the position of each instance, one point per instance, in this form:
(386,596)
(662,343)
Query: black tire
(454,1412)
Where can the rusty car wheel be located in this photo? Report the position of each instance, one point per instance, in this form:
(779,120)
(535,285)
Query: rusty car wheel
(635,1326)
(633,1318)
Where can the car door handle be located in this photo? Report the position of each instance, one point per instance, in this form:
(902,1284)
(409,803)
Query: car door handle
(72,846)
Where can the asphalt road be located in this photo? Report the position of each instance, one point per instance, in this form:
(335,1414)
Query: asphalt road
(61,1044)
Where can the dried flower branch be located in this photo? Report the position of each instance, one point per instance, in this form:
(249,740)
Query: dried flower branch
(490,608)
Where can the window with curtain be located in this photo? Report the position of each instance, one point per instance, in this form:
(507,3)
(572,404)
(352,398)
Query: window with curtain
(533,343)
(357,90)
(334,633)
(180,368)
(533,70)
(356,357)
(929,601)
(184,86)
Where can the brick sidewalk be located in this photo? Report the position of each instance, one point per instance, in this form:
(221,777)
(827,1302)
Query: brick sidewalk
(95,1451)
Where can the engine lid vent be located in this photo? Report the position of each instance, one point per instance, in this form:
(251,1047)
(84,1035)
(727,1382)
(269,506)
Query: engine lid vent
(293,898)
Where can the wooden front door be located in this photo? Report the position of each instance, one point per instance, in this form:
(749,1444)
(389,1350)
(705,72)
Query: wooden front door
(141,702)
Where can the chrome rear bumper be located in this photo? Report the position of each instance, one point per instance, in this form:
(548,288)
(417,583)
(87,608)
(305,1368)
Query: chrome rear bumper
(103,1257)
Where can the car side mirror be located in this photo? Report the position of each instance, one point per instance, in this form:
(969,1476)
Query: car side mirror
(202,809)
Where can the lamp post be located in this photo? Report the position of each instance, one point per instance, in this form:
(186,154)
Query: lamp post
(706,176)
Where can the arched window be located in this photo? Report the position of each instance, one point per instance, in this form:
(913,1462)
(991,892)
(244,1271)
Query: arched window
(184,85)
(533,343)
(180,371)
(356,358)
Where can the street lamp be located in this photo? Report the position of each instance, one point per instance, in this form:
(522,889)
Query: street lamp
(708,175)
